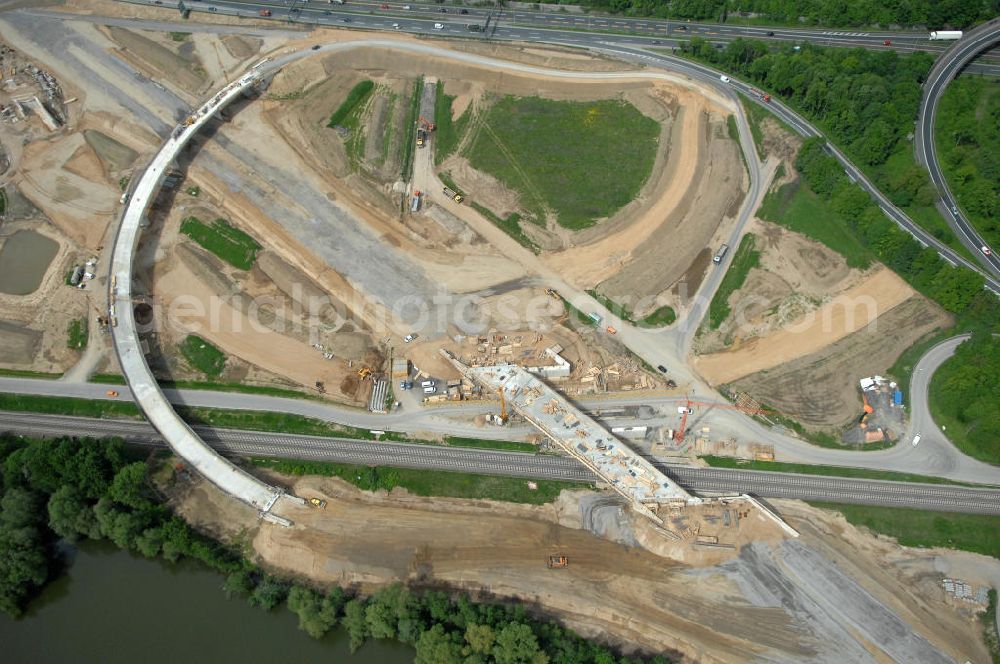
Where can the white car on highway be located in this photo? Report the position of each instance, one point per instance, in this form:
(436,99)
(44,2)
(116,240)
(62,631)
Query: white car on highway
(986,250)
(439,26)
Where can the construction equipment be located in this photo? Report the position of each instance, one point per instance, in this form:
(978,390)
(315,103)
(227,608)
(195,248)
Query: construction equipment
(454,195)
(364,372)
(687,409)
(612,330)
(424,123)
(421,138)
(318,503)
(503,407)
(558,562)
(551,292)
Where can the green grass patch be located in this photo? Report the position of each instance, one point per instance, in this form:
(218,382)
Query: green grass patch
(797,208)
(988,620)
(508,445)
(410,138)
(967,532)
(3,202)
(659,318)
(511,226)
(582,160)
(832,471)
(576,313)
(203,356)
(222,239)
(612,306)
(745,259)
(353,101)
(123,182)
(449,131)
(428,482)
(193,190)
(179,36)
(67,406)
(76,334)
(27,373)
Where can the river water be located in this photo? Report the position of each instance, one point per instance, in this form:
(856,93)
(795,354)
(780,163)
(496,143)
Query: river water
(112,607)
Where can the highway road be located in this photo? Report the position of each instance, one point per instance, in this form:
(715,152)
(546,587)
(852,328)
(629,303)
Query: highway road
(703,481)
(947,66)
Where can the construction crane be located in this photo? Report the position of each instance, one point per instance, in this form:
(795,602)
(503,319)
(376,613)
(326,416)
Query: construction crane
(687,409)
(503,406)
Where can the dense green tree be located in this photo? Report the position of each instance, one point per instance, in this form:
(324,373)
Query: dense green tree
(516,644)
(131,486)
(480,638)
(24,563)
(317,612)
(355,623)
(70,516)
(269,593)
(436,646)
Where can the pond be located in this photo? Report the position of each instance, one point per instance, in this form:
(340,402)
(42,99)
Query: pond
(24,258)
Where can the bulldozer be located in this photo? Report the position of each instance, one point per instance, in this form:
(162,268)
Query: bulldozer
(364,372)
(558,562)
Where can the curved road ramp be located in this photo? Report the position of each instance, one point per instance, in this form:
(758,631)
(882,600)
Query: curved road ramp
(145,389)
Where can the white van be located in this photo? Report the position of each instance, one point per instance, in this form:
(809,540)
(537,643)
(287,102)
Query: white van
(430,390)
(724,78)
(427,383)
(439,26)
(916,439)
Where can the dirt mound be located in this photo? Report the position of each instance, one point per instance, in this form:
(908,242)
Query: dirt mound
(848,312)
(820,390)
(241,48)
(170,65)
(115,155)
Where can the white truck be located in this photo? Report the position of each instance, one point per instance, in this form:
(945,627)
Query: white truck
(946,35)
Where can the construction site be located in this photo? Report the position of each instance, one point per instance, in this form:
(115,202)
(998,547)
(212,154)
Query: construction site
(408,260)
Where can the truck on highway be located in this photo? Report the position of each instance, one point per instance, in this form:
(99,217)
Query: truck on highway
(946,35)
(265,13)
(453,195)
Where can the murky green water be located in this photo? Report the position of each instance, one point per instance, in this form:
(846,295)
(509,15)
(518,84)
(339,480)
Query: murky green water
(112,607)
(24,259)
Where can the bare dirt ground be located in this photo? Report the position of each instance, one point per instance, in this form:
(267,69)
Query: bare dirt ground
(835,594)
(848,312)
(820,389)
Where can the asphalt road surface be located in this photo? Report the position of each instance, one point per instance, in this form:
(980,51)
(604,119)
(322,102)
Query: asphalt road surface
(945,69)
(703,481)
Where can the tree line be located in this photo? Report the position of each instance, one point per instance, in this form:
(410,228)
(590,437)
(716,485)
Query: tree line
(72,489)
(933,14)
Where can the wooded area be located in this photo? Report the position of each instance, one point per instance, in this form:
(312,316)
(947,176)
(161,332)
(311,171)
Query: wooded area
(934,14)
(73,489)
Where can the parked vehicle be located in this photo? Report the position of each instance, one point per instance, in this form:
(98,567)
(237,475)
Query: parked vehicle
(450,193)
(427,383)
(410,337)
(916,440)
(662,368)
(430,390)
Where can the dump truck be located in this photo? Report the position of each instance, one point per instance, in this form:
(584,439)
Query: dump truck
(558,562)
(316,502)
(453,195)
(421,138)
(266,13)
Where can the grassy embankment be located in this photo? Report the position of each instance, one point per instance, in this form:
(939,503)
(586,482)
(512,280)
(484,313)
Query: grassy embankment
(348,116)
(429,483)
(203,356)
(581,160)
(660,317)
(410,138)
(968,532)
(224,240)
(745,259)
(831,471)
(76,334)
